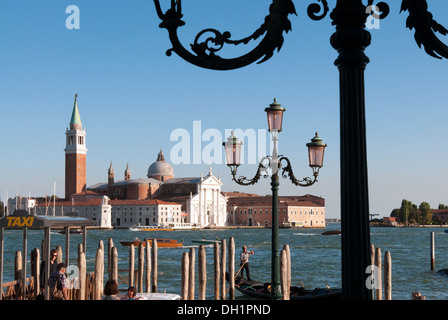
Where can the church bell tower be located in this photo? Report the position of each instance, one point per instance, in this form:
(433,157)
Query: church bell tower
(75,155)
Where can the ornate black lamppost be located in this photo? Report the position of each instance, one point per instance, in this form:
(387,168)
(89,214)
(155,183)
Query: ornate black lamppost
(350,40)
(316,150)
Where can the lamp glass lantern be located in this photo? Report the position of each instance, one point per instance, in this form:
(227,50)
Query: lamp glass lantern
(233,150)
(275,116)
(316,149)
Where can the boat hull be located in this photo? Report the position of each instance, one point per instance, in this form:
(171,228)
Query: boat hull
(139,228)
(331,232)
(161,243)
(205,241)
(258,290)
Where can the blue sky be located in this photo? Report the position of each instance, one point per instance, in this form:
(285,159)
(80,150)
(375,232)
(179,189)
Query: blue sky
(131,97)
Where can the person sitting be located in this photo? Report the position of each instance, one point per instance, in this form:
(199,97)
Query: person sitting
(111,290)
(131,295)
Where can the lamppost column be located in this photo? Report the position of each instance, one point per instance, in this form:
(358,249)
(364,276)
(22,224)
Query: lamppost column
(350,40)
(275,268)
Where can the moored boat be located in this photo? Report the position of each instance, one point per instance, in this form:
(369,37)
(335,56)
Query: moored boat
(151,296)
(262,290)
(331,232)
(205,241)
(150,228)
(77,230)
(183,226)
(161,243)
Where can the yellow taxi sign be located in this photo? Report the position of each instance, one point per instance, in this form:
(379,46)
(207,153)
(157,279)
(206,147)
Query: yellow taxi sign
(19,221)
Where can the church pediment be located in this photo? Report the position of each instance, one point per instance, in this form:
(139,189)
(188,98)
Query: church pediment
(211,181)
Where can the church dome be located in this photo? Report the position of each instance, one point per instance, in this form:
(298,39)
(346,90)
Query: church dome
(160,170)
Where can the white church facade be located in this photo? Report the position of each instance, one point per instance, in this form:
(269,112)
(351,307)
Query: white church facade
(208,207)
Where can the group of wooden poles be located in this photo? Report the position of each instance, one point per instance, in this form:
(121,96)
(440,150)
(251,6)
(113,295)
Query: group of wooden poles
(144,277)
(377,271)
(89,286)
(223,253)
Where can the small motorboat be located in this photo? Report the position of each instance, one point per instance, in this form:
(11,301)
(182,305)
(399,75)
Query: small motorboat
(150,228)
(205,241)
(77,230)
(331,232)
(151,296)
(262,290)
(161,243)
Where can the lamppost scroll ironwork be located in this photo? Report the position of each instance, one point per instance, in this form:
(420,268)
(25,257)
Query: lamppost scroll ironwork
(277,22)
(205,56)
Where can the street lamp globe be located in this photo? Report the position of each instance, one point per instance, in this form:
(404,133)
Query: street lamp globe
(233,150)
(316,150)
(275,116)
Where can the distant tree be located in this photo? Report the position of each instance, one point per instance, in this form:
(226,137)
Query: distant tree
(442,206)
(425,212)
(395,213)
(405,210)
(414,214)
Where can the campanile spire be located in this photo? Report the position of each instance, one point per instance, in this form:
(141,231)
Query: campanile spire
(75,154)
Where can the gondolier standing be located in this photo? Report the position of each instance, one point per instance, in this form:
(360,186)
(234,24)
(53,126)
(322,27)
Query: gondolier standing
(244,261)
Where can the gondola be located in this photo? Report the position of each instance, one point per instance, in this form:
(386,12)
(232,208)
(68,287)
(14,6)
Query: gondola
(259,290)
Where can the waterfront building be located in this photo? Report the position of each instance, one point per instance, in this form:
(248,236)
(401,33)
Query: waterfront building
(440,215)
(98,209)
(20,203)
(200,198)
(294,211)
(126,189)
(117,213)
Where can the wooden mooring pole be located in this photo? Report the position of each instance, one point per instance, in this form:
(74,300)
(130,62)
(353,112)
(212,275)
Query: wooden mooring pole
(148,267)
(387,276)
(378,280)
(217,270)
(223,269)
(99,272)
(433,254)
(131,265)
(202,272)
(191,274)
(231,268)
(154,265)
(185,269)
(141,264)
(82,294)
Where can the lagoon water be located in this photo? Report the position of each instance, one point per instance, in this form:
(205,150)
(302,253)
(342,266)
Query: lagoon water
(315,258)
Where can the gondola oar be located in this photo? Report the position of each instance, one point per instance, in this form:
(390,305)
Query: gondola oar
(235,276)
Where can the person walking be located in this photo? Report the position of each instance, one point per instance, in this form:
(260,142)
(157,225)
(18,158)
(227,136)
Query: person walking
(57,284)
(244,261)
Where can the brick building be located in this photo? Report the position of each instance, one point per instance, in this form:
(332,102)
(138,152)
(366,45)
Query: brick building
(294,211)
(117,213)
